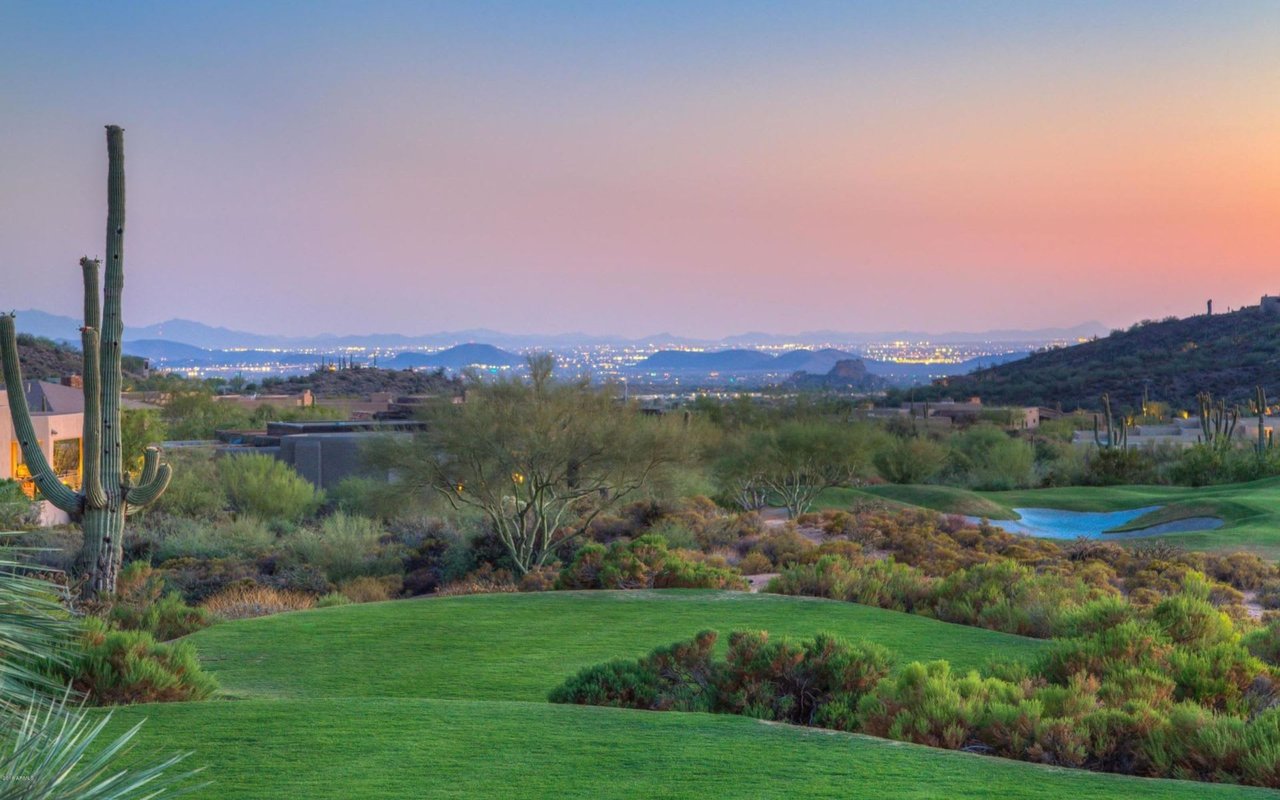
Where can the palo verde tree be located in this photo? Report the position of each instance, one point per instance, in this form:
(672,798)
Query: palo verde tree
(107,494)
(539,459)
(793,462)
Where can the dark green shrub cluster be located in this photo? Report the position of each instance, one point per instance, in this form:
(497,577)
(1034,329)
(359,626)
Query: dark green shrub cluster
(815,681)
(265,487)
(141,604)
(645,563)
(1173,696)
(115,667)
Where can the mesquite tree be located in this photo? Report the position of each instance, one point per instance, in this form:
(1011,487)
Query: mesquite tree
(107,495)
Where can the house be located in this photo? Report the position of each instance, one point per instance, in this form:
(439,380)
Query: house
(57,414)
(972,410)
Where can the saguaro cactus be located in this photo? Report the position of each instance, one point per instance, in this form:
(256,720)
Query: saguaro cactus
(1217,422)
(1115,439)
(106,495)
(1261,408)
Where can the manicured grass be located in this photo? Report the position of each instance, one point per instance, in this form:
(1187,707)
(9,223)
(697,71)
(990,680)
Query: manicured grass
(445,698)
(349,749)
(1250,511)
(519,647)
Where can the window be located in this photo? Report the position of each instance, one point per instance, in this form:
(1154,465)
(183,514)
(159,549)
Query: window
(66,461)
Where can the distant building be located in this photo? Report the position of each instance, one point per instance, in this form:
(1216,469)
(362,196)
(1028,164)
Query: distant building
(1271,304)
(323,452)
(972,410)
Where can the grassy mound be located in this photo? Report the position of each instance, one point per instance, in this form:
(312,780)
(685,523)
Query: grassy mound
(446,698)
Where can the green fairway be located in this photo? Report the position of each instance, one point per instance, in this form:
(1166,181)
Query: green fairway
(446,698)
(344,749)
(1250,511)
(519,647)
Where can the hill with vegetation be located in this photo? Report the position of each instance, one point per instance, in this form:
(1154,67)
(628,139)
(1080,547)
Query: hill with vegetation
(362,381)
(348,703)
(43,359)
(1173,359)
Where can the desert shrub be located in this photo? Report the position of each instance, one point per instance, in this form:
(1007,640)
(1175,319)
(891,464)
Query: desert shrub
(368,589)
(755,563)
(114,667)
(16,509)
(197,579)
(927,705)
(332,599)
(166,618)
(675,535)
(267,488)
(644,563)
(1005,596)
(729,531)
(195,490)
(140,604)
(1193,621)
(247,601)
(678,677)
(244,536)
(372,497)
(817,681)
(539,579)
(485,580)
(783,546)
(343,547)
(913,459)
(1117,467)
(985,457)
(1264,643)
(886,583)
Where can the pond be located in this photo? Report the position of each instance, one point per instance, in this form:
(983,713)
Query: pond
(1052,523)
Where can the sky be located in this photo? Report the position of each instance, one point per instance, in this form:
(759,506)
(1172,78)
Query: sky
(704,168)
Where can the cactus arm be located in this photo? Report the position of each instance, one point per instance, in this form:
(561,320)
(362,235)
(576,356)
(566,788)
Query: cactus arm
(150,465)
(91,452)
(54,490)
(155,479)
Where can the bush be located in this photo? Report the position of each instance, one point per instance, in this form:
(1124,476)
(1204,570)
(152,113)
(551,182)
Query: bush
(243,537)
(195,490)
(344,547)
(197,580)
(122,667)
(915,459)
(16,509)
(141,605)
(368,589)
(811,682)
(248,601)
(485,580)
(674,678)
(266,487)
(333,599)
(645,563)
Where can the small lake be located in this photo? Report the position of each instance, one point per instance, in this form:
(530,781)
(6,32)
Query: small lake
(1052,523)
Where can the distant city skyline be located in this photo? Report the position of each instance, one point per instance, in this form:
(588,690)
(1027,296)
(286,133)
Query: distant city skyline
(699,168)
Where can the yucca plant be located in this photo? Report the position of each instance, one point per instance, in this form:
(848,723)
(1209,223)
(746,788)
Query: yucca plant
(50,747)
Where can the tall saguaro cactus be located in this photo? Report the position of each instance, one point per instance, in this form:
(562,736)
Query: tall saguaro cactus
(107,495)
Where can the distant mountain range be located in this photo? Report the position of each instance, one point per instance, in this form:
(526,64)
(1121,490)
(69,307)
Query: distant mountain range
(814,362)
(198,334)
